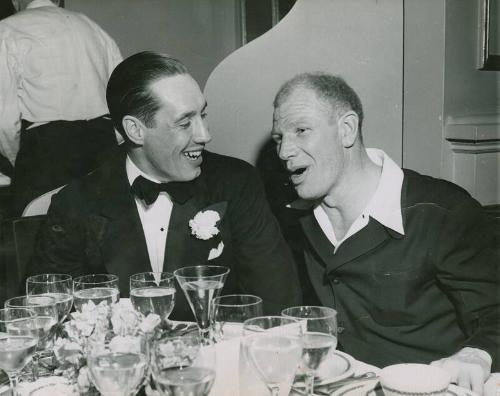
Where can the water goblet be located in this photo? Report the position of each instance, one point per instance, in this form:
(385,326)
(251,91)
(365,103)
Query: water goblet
(46,321)
(183,365)
(230,311)
(153,292)
(320,337)
(18,340)
(201,284)
(95,288)
(273,346)
(118,364)
(58,286)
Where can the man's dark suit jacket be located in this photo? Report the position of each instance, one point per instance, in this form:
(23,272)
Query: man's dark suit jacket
(407,298)
(93,227)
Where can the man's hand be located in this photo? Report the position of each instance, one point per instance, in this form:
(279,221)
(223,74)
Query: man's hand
(469,368)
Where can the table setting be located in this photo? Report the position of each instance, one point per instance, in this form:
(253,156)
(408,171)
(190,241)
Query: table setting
(77,336)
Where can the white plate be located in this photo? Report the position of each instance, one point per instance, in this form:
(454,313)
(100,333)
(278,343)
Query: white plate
(363,388)
(337,366)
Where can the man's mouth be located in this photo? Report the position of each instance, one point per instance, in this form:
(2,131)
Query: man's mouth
(297,175)
(192,155)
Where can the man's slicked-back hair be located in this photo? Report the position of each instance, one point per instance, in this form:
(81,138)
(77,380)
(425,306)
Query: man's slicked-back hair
(129,87)
(332,89)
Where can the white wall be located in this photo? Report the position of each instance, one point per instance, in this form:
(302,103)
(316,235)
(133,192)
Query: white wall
(200,33)
(360,40)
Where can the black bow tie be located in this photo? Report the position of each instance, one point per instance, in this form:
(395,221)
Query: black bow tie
(148,190)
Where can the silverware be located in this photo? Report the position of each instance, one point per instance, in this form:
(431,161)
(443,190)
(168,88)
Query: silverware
(328,389)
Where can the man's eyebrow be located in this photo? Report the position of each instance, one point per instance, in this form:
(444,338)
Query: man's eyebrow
(189,114)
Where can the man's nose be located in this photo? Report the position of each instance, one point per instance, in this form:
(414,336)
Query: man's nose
(201,133)
(286,148)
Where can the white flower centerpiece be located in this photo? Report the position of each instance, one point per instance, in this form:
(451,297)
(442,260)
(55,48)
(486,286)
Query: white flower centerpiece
(118,326)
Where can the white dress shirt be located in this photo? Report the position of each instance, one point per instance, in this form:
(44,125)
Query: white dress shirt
(154,218)
(54,65)
(385,205)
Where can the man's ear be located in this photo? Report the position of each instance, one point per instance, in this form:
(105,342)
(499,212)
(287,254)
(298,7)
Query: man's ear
(134,128)
(348,128)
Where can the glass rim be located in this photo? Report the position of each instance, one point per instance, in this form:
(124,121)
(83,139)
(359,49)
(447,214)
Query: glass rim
(33,278)
(79,279)
(225,272)
(169,275)
(217,300)
(333,312)
(27,305)
(271,317)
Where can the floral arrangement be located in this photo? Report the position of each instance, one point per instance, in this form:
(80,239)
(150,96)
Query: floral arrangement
(118,325)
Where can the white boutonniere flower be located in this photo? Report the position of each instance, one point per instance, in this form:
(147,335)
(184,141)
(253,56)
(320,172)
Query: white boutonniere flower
(204,224)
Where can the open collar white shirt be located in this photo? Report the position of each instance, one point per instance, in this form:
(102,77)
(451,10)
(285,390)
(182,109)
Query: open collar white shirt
(154,218)
(384,206)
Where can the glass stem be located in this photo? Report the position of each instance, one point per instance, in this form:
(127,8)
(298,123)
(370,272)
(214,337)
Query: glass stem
(275,390)
(205,336)
(14,380)
(309,384)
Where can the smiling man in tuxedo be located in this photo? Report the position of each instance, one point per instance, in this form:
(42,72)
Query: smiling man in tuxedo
(164,202)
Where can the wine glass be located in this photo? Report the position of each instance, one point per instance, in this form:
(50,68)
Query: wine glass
(183,365)
(58,286)
(118,365)
(18,340)
(201,284)
(47,317)
(95,288)
(320,337)
(153,292)
(230,311)
(273,346)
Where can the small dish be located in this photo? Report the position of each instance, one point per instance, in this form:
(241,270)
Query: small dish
(368,389)
(336,367)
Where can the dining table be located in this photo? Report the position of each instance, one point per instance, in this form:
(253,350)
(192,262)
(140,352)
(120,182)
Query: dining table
(341,375)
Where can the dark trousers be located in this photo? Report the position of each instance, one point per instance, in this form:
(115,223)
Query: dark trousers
(53,154)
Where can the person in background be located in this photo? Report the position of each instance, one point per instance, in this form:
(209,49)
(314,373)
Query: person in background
(407,260)
(165,202)
(54,65)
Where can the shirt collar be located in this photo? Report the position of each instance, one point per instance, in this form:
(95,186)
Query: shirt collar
(133,172)
(385,205)
(40,3)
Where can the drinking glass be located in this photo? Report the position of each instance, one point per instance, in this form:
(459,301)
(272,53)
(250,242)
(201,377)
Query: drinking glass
(46,317)
(153,292)
(320,337)
(95,288)
(273,346)
(58,286)
(230,311)
(183,365)
(18,340)
(118,368)
(201,284)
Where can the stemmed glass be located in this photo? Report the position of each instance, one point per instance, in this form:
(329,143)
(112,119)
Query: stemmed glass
(201,284)
(118,368)
(230,311)
(320,337)
(183,365)
(95,288)
(273,346)
(45,308)
(18,340)
(153,292)
(58,286)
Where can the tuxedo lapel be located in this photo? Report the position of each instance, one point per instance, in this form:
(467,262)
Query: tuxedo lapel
(126,250)
(183,249)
